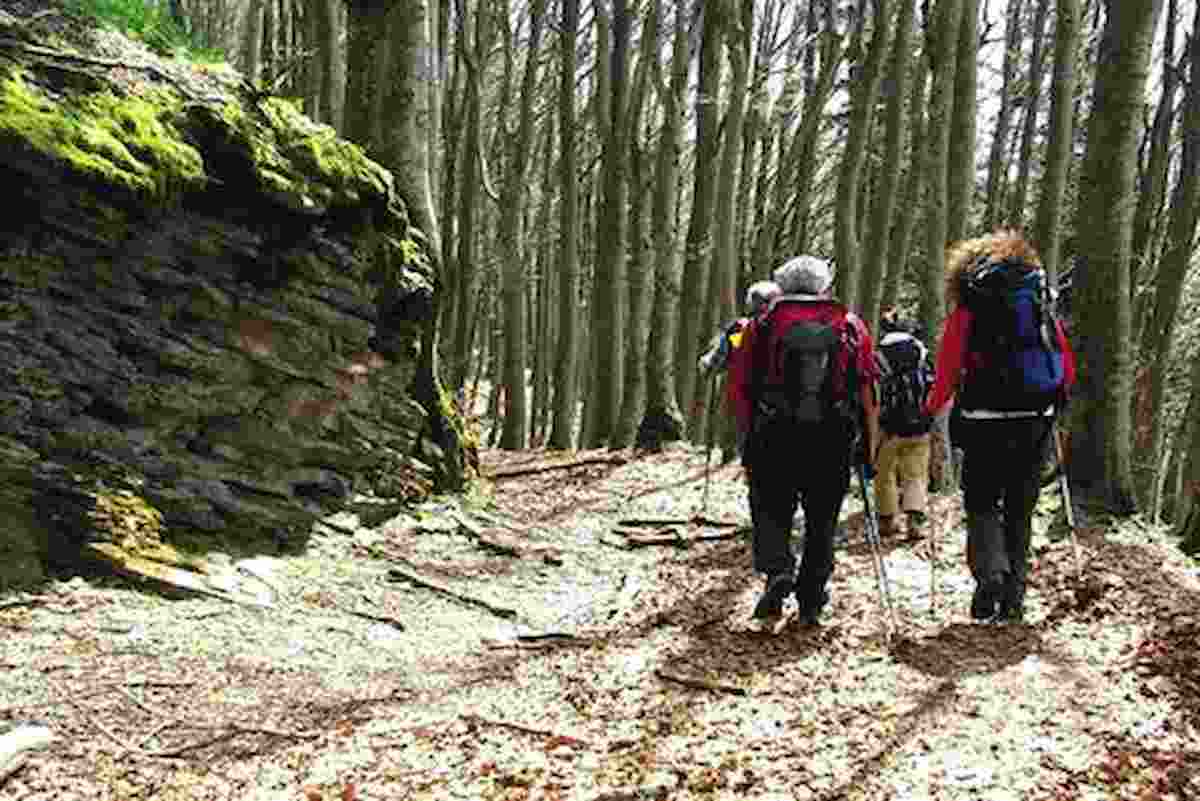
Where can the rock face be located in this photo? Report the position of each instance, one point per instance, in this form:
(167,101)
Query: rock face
(210,311)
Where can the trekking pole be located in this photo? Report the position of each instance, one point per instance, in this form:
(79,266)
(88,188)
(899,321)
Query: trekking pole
(948,469)
(881,579)
(1064,486)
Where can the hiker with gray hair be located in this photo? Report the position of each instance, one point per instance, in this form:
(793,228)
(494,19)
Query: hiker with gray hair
(804,383)
(724,345)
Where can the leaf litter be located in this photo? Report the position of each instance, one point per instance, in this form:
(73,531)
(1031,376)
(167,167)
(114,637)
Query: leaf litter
(624,672)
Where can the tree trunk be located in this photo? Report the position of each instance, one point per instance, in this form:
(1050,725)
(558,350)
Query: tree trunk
(1177,256)
(1062,135)
(1033,101)
(865,95)
(960,188)
(724,265)
(663,422)
(997,163)
(608,287)
(251,50)
(545,332)
(773,188)
(639,284)
(943,52)
(900,239)
(468,193)
(698,253)
(516,355)
(804,144)
(1102,430)
(1153,181)
(877,255)
(566,396)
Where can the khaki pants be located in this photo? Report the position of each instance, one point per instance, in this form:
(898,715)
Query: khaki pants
(906,458)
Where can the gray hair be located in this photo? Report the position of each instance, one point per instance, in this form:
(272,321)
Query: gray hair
(759,294)
(804,275)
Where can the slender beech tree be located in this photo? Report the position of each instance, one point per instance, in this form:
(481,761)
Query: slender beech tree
(699,247)
(876,255)
(864,97)
(998,164)
(516,355)
(1031,106)
(566,396)
(638,273)
(663,421)
(799,173)
(775,170)
(1101,441)
(899,243)
(1178,251)
(474,59)
(1062,134)
(960,187)
(943,53)
(1152,183)
(608,287)
(737,17)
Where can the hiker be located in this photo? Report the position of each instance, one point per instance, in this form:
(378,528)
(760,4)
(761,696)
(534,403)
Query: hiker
(802,392)
(1006,364)
(904,380)
(726,343)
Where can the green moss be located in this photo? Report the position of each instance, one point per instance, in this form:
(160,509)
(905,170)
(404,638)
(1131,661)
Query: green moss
(38,382)
(304,161)
(126,141)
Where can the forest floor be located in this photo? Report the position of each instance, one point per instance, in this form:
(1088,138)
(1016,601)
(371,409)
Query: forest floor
(529,641)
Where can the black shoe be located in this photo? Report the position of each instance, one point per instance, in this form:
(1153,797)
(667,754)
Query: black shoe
(1012,602)
(770,604)
(987,597)
(810,609)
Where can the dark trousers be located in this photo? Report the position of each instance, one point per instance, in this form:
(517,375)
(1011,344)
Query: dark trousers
(798,466)
(1001,480)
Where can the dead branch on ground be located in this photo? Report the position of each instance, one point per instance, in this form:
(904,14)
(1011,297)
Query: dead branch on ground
(545,468)
(396,574)
(701,684)
(562,739)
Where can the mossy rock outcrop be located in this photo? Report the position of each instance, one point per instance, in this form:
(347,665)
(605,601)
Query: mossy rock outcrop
(210,310)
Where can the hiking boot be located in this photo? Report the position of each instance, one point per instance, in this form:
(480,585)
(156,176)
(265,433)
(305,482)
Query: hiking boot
(987,597)
(1012,601)
(916,524)
(770,604)
(810,608)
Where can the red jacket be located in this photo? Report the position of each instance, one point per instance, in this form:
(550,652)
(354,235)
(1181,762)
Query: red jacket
(955,362)
(741,361)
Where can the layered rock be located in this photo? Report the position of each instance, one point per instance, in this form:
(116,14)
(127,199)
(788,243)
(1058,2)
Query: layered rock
(210,311)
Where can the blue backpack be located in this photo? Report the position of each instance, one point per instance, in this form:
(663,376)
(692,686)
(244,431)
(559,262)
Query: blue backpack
(1014,329)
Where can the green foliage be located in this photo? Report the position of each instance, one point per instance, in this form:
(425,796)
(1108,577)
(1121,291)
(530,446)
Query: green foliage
(149,22)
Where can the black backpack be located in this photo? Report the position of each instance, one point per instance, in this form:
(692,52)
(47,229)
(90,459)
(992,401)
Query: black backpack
(805,368)
(1014,328)
(904,383)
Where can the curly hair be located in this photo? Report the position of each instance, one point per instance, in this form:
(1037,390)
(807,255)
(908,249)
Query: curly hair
(1000,245)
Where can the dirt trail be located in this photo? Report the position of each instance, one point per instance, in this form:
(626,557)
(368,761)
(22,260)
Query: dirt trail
(558,664)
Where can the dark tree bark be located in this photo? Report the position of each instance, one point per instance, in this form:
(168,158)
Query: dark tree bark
(566,398)
(1101,440)
(1062,134)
